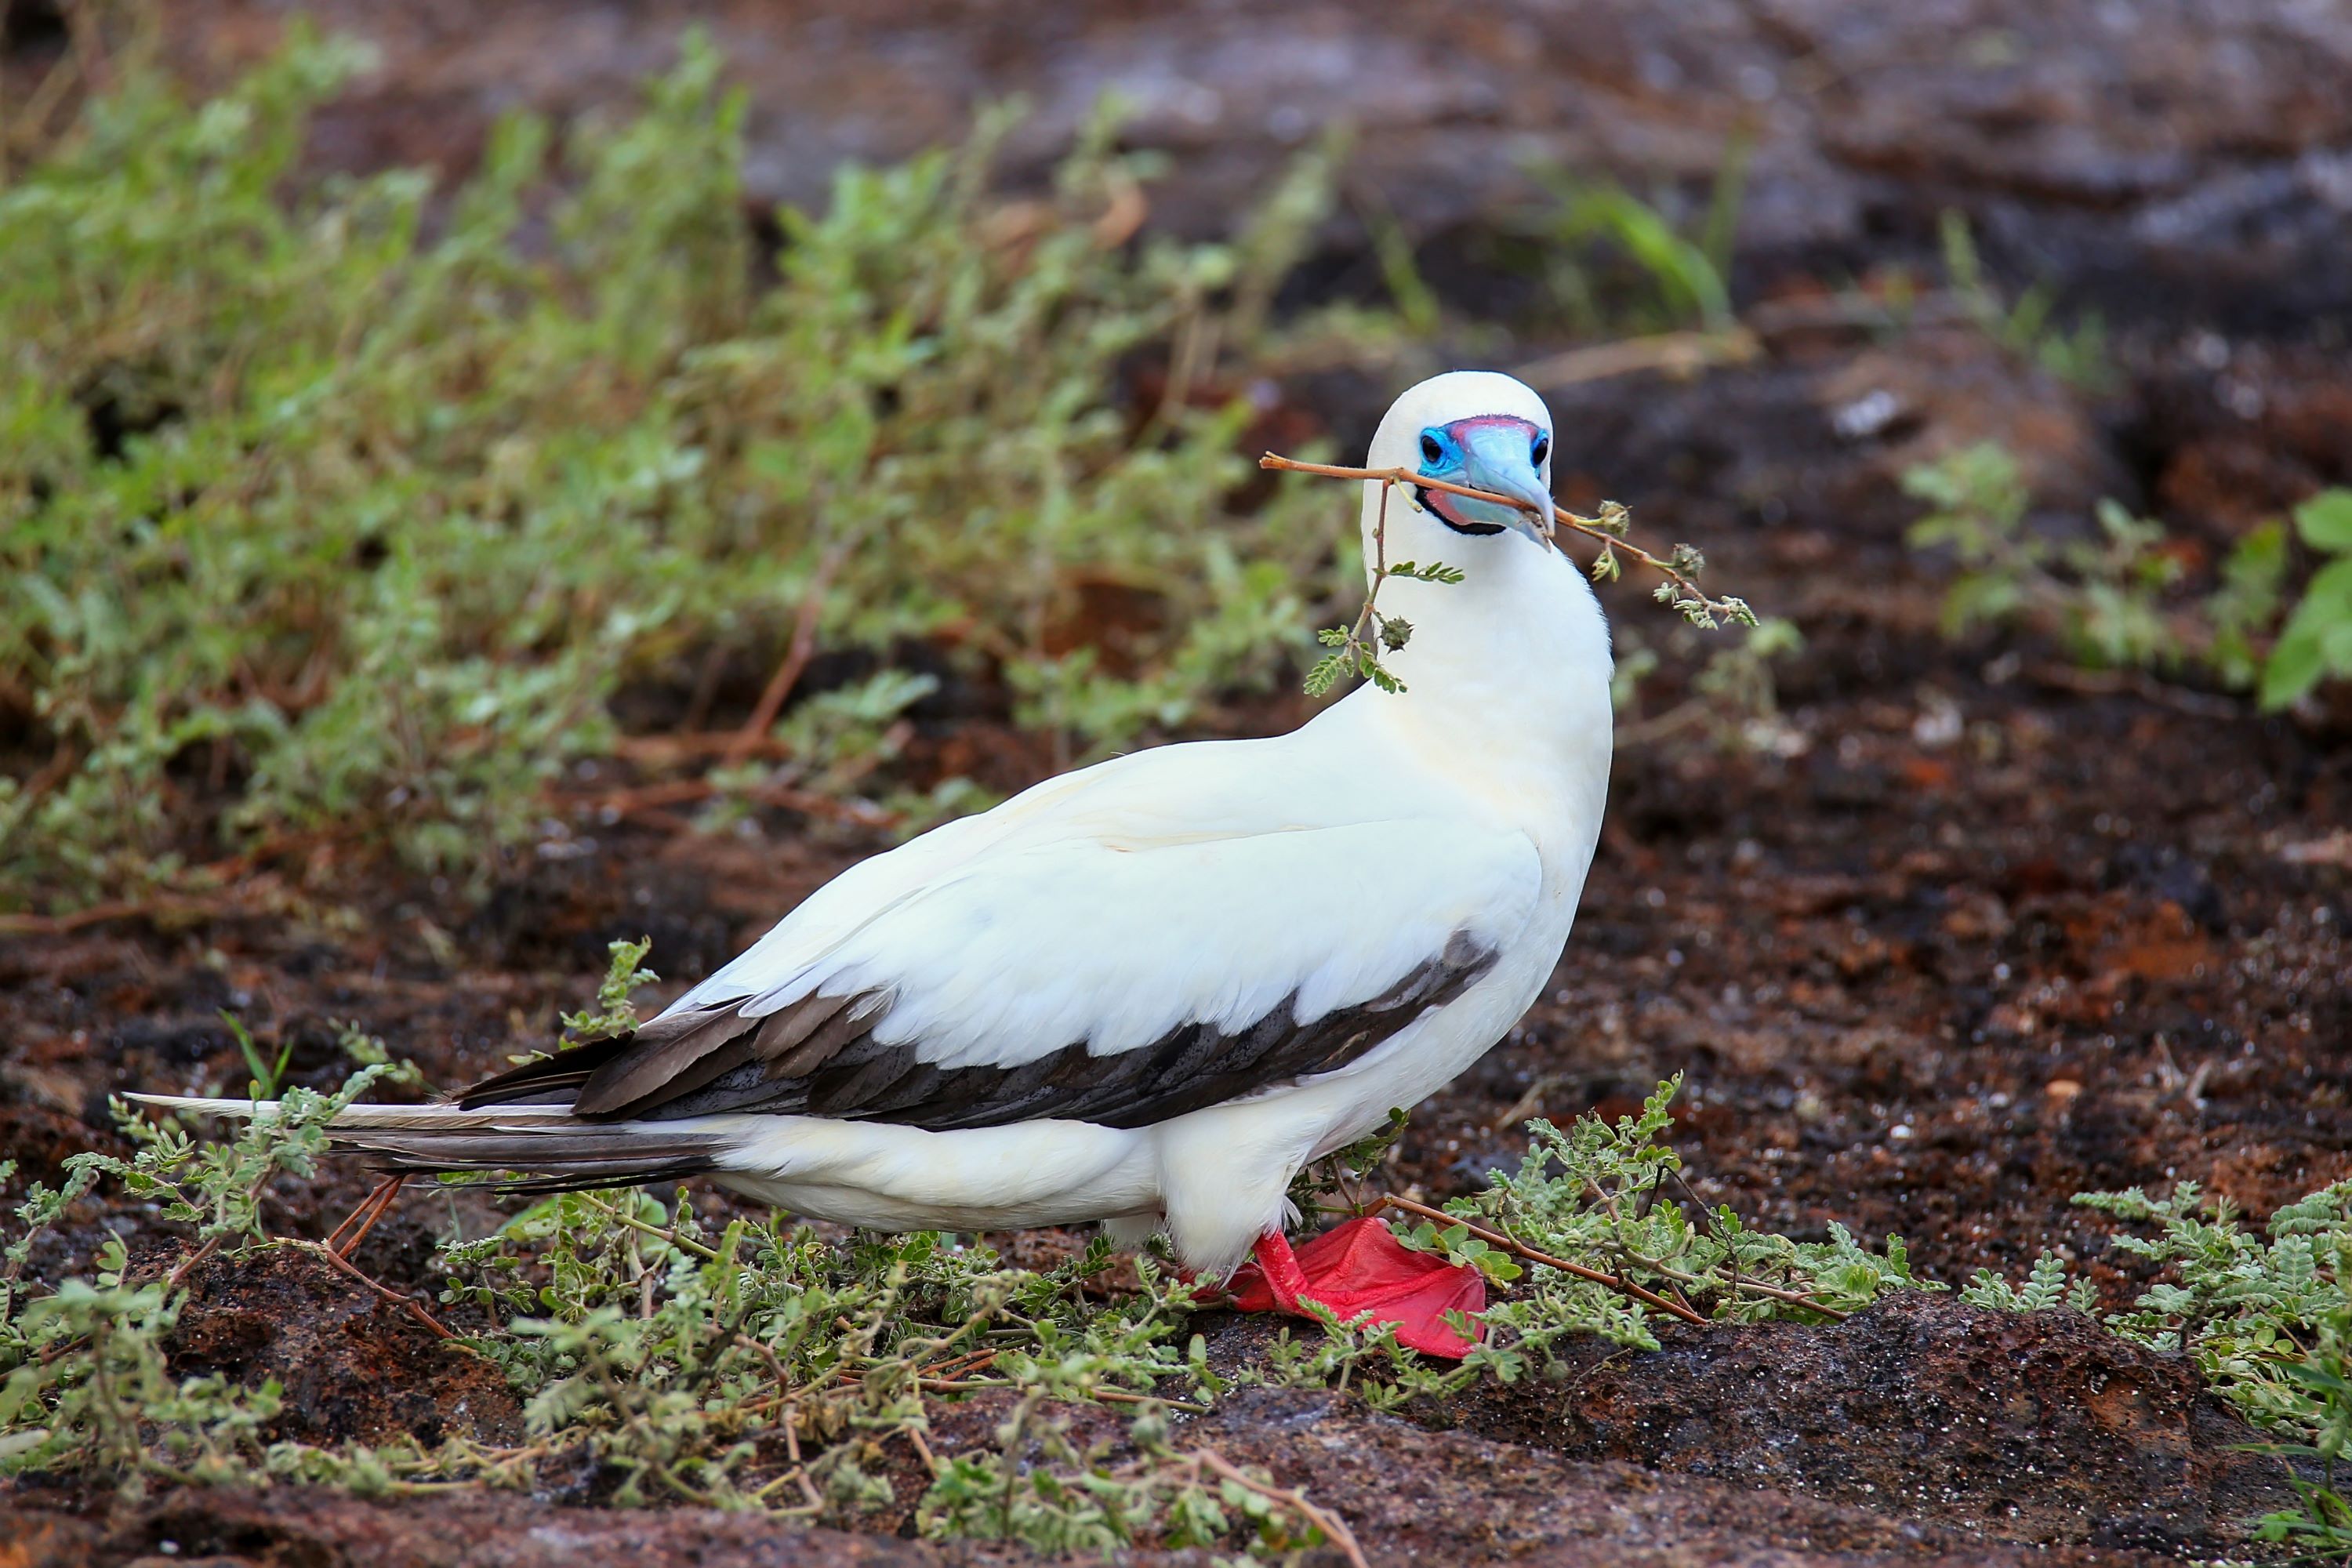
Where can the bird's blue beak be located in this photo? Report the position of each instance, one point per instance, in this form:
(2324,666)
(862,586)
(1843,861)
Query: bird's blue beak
(1499,455)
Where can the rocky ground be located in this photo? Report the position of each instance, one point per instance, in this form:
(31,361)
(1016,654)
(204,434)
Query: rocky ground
(1967,932)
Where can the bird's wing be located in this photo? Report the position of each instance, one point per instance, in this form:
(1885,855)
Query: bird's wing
(1114,978)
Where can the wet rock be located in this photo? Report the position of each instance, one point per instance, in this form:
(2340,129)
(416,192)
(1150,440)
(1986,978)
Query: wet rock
(351,1366)
(2037,1427)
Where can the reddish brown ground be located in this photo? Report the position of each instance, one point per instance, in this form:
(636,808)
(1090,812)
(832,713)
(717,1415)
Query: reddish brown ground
(1973,933)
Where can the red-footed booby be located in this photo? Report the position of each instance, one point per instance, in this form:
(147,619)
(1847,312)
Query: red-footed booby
(1149,992)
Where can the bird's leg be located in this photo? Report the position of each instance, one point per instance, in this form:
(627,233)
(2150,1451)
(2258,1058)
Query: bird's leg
(1361,1267)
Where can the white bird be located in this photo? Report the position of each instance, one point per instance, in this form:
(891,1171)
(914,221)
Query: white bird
(1149,992)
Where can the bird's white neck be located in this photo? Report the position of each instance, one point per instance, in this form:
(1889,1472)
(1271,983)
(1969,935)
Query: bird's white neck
(1507,672)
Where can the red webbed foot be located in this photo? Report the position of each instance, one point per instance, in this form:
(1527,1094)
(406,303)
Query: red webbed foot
(1358,1267)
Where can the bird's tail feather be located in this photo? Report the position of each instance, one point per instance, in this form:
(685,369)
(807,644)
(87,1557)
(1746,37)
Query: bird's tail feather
(548,1149)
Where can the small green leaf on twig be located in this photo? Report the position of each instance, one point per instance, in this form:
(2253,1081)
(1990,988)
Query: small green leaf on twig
(1679,569)
(614,1014)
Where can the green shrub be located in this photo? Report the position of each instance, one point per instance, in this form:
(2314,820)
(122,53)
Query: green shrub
(2103,593)
(760,1365)
(345,512)
(2316,642)
(2112,597)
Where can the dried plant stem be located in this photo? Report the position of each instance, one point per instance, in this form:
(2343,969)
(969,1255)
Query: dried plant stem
(187,1265)
(657,1232)
(1683,1277)
(1520,1249)
(191,909)
(797,654)
(1674,353)
(1687,589)
(1333,1528)
(1680,1276)
(646,799)
(1751,1288)
(416,1308)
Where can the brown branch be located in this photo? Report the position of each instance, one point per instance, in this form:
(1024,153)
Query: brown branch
(101,914)
(1333,1528)
(2136,683)
(1730,609)
(90,46)
(187,1265)
(797,653)
(369,1210)
(1498,1238)
(1675,353)
(668,751)
(1520,1249)
(1672,722)
(643,799)
(415,1308)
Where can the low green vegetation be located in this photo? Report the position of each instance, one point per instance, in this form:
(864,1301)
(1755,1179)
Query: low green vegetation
(355,517)
(2104,592)
(1616,265)
(2027,326)
(2114,597)
(2267,1317)
(344,514)
(2314,643)
(759,1364)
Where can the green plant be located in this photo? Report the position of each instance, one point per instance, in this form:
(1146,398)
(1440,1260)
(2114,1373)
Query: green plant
(267,1073)
(2316,643)
(2025,328)
(2268,1322)
(320,522)
(2245,1307)
(1734,693)
(2108,595)
(756,1364)
(86,1369)
(2245,607)
(2322,1525)
(1616,264)
(2103,593)
(1598,1191)
(615,1014)
(2045,1288)
(1357,646)
(1055,1498)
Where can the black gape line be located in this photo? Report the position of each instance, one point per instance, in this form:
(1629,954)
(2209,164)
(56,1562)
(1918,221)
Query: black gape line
(1429,505)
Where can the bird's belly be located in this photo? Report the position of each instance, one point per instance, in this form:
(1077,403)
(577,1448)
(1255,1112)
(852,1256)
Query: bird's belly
(890,1177)
(1424,1058)
(1223,1170)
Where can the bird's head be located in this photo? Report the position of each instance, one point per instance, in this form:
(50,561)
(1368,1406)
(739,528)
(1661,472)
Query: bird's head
(1480,429)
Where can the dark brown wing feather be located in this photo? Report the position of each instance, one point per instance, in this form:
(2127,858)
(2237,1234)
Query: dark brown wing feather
(819,1058)
(546,1080)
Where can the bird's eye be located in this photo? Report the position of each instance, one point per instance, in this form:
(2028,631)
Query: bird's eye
(1543,450)
(1431,450)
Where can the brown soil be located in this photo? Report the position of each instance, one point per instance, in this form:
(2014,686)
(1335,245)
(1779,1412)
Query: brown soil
(1969,933)
(353,1366)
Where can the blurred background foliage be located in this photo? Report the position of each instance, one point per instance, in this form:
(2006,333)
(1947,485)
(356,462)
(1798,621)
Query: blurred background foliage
(346,517)
(352,509)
